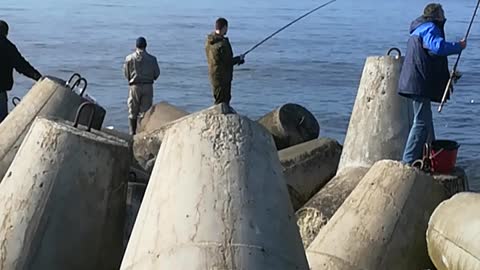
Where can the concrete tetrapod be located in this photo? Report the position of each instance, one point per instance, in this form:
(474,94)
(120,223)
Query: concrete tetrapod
(147,144)
(63,200)
(455,182)
(159,115)
(323,205)
(49,97)
(382,223)
(216,200)
(119,134)
(135,194)
(381,119)
(453,234)
(290,124)
(309,166)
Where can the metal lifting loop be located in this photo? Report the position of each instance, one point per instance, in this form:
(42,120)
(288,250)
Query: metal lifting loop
(396,50)
(15,101)
(418,164)
(425,163)
(79,112)
(70,81)
(85,84)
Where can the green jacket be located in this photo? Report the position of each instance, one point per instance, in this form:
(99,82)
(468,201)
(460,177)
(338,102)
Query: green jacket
(220,60)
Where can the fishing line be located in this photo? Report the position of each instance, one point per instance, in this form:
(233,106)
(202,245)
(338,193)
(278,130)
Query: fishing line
(289,24)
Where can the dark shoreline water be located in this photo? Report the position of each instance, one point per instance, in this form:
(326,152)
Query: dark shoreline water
(316,63)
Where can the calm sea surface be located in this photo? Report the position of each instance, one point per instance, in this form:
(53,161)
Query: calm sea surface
(316,63)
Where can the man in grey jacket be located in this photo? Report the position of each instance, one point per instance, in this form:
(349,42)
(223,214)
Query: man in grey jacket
(141,70)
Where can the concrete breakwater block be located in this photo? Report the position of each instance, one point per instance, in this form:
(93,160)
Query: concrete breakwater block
(216,199)
(117,133)
(453,234)
(147,144)
(138,175)
(159,115)
(381,119)
(135,194)
(453,183)
(382,223)
(291,124)
(63,200)
(322,206)
(309,166)
(49,97)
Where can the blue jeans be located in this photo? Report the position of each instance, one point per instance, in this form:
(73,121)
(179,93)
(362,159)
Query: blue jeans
(422,130)
(3,105)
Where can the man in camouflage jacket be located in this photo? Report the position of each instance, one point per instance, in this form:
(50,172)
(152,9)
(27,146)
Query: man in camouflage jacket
(220,62)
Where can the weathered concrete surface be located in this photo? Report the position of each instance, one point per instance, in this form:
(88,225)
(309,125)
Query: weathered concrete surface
(138,175)
(63,200)
(323,205)
(453,234)
(382,223)
(48,97)
(290,124)
(119,134)
(453,183)
(309,166)
(159,115)
(381,119)
(134,200)
(147,144)
(217,199)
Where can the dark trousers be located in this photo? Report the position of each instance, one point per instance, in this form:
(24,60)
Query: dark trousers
(222,93)
(3,105)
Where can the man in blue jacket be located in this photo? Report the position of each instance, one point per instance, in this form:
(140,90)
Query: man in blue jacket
(425,74)
(11,59)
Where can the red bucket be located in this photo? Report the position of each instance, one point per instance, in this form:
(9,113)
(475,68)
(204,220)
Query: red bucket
(444,156)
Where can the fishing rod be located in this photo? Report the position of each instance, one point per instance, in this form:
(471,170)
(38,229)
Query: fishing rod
(454,70)
(286,26)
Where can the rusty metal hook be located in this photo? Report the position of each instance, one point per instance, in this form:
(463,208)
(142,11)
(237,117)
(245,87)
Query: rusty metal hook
(15,101)
(85,84)
(396,50)
(69,82)
(79,111)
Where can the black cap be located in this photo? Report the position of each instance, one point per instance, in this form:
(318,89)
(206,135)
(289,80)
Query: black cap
(141,43)
(433,11)
(3,28)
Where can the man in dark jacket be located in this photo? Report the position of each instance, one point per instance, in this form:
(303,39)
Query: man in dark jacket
(425,74)
(220,62)
(11,59)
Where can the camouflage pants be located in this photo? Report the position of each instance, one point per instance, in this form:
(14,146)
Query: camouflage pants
(140,99)
(222,93)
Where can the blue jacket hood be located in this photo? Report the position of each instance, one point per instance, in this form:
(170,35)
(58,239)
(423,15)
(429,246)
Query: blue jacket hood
(417,22)
(422,20)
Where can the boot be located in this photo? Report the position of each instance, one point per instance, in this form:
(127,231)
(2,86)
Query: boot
(133,126)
